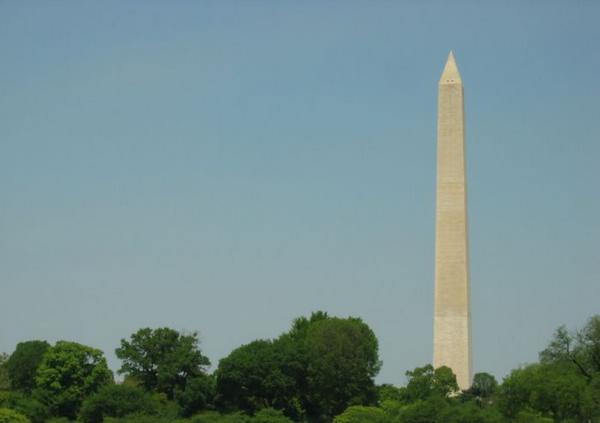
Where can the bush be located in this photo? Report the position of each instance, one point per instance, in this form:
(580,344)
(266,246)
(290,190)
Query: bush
(361,414)
(270,415)
(31,408)
(197,395)
(143,418)
(215,417)
(11,416)
(23,364)
(116,401)
(68,374)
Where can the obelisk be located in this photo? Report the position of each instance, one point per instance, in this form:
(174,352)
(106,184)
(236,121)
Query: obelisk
(452,316)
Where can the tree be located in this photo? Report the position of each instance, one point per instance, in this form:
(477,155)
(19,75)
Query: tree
(23,364)
(581,348)
(555,390)
(484,385)
(588,341)
(362,414)
(270,415)
(162,360)
(387,392)
(591,398)
(469,412)
(316,370)
(24,404)
(215,417)
(529,416)
(68,373)
(197,395)
(424,411)
(424,382)
(254,376)
(11,416)
(343,360)
(4,379)
(116,401)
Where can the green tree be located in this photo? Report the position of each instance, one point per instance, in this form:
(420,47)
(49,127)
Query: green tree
(197,394)
(11,416)
(342,361)
(591,398)
(529,416)
(469,412)
(253,376)
(215,417)
(25,404)
(68,373)
(387,392)
(484,385)
(581,348)
(555,390)
(424,382)
(482,389)
(316,370)
(116,401)
(270,415)
(4,379)
(162,360)
(23,364)
(362,414)
(588,340)
(424,411)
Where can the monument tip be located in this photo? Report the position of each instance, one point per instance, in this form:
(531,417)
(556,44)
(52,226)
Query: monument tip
(450,75)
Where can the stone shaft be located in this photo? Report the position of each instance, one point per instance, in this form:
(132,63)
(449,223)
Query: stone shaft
(452,317)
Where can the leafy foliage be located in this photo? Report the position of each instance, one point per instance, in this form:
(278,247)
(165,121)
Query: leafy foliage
(319,368)
(425,382)
(362,414)
(4,379)
(484,385)
(322,370)
(162,360)
(581,348)
(116,401)
(25,404)
(68,373)
(342,356)
(555,390)
(11,416)
(387,392)
(23,364)
(254,376)
(215,417)
(270,415)
(197,394)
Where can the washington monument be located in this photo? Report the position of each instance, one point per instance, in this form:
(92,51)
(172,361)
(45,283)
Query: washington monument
(452,316)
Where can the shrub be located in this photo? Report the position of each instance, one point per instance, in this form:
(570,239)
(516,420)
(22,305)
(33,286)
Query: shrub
(30,407)
(361,414)
(270,415)
(116,401)
(215,417)
(11,416)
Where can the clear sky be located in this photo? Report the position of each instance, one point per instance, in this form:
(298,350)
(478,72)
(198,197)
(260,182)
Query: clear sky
(226,166)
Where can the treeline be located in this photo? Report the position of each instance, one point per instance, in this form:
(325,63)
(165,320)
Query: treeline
(322,370)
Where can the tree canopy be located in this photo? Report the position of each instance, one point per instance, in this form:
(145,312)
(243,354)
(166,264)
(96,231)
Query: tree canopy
(162,360)
(320,371)
(316,370)
(23,364)
(68,373)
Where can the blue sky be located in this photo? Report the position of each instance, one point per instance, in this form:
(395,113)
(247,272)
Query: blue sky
(227,166)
